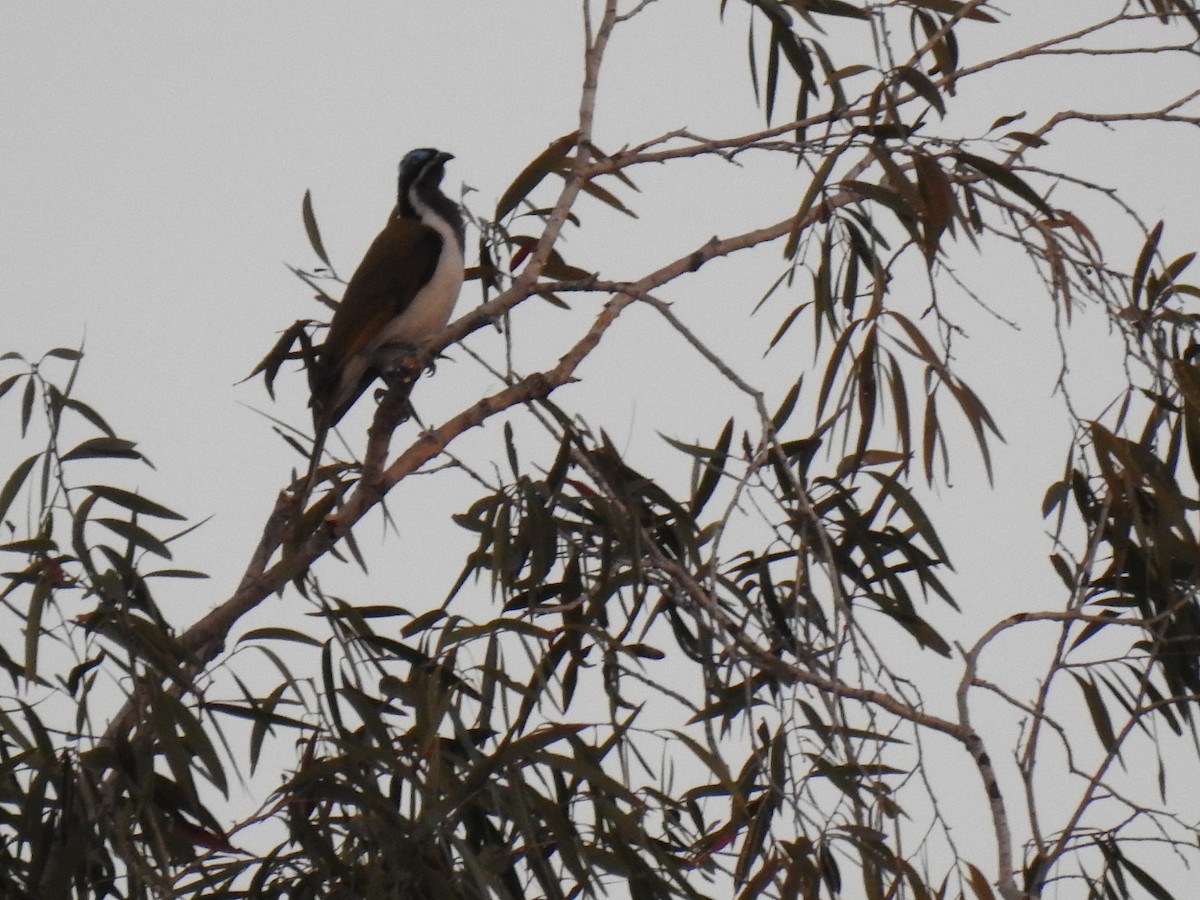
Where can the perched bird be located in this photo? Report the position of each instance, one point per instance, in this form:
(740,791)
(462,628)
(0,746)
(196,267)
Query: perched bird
(401,294)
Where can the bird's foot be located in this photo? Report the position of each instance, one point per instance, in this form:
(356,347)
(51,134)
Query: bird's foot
(393,361)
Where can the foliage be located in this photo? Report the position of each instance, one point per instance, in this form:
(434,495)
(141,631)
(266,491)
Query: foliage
(707,690)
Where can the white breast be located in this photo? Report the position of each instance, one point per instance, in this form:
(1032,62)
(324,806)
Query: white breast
(430,310)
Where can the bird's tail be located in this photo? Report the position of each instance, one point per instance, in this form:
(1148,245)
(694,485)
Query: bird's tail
(398,394)
(320,432)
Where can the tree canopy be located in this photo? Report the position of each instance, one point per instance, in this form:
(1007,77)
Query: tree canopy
(741,663)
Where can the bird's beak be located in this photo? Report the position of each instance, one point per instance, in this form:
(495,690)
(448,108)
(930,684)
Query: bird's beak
(445,157)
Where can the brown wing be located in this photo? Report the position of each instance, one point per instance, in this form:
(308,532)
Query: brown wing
(398,262)
(396,265)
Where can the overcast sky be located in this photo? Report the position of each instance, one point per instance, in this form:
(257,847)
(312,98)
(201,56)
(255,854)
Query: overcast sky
(153,158)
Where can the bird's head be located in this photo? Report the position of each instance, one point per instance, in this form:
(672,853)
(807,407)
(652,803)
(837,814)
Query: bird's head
(424,165)
(421,172)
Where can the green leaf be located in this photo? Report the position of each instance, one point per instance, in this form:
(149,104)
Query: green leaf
(978,418)
(1028,139)
(510,450)
(557,267)
(30,546)
(833,8)
(605,197)
(282,351)
(88,413)
(77,673)
(944,47)
(1175,269)
(900,406)
(953,8)
(136,535)
(1006,120)
(1142,877)
(787,323)
(549,160)
(772,72)
(929,435)
(13,485)
(1092,628)
(33,625)
(815,187)
(279,634)
(27,405)
(200,747)
(133,502)
(103,448)
(313,232)
(714,468)
(925,88)
(915,513)
(257,714)
(787,406)
(1144,260)
(7,384)
(937,193)
(995,172)
(176,573)
(1099,713)
(63,353)
(1067,576)
(979,884)
(834,364)
(846,72)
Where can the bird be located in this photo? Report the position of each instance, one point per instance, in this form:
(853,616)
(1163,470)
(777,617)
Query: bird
(402,293)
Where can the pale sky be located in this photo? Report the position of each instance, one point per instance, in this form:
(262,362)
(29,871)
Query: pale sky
(153,158)
(152,170)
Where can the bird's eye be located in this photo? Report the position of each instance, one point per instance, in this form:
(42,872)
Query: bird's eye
(416,157)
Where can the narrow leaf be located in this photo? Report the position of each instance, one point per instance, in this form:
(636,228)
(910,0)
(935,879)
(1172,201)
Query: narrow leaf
(997,173)
(1142,877)
(103,448)
(785,408)
(134,502)
(1007,120)
(925,88)
(7,384)
(936,190)
(1026,138)
(549,160)
(979,884)
(63,353)
(953,8)
(815,186)
(313,232)
(136,535)
(13,485)
(90,414)
(1099,713)
(27,405)
(606,197)
(1144,259)
(713,469)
